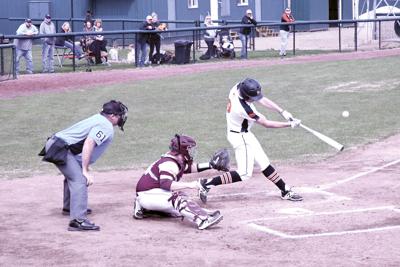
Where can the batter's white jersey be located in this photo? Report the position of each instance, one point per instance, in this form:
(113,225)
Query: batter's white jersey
(240,117)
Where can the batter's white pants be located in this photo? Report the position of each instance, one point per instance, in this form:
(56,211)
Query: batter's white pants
(247,151)
(284,41)
(157,200)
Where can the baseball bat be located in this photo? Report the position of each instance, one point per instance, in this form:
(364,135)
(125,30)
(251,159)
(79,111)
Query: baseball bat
(324,138)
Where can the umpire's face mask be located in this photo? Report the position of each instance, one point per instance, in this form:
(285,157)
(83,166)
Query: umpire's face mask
(122,119)
(123,116)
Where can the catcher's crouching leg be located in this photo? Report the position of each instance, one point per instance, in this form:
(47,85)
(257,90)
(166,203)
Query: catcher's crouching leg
(191,210)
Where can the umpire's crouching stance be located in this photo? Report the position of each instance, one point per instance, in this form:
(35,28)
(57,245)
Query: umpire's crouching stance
(73,149)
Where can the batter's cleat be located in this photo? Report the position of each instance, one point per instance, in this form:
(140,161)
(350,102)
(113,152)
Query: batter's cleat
(138,212)
(290,195)
(211,220)
(82,225)
(203,190)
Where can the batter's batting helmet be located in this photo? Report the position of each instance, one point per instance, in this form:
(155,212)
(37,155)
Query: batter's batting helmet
(250,89)
(116,108)
(184,145)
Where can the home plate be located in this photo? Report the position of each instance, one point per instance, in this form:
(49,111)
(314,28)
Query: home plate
(295,211)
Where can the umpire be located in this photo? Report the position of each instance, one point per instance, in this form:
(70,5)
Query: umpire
(72,151)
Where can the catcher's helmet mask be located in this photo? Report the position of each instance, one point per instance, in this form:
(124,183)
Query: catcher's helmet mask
(116,108)
(184,145)
(250,89)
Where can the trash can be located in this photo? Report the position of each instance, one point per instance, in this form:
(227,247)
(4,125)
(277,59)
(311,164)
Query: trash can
(182,51)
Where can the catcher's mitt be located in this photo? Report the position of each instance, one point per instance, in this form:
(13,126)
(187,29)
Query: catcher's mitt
(220,160)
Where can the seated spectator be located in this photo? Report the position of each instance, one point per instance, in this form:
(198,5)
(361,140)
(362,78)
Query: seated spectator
(68,42)
(87,40)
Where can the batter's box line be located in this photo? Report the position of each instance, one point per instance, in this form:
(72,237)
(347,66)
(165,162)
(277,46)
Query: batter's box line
(283,235)
(252,224)
(392,208)
(361,174)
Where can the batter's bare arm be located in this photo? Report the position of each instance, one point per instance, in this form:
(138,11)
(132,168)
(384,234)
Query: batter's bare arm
(275,107)
(277,124)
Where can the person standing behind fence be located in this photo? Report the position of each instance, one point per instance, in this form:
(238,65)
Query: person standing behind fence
(47,27)
(155,40)
(142,40)
(100,43)
(209,38)
(24,46)
(284,30)
(244,33)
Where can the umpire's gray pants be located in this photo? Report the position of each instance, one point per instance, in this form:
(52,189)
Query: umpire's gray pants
(75,188)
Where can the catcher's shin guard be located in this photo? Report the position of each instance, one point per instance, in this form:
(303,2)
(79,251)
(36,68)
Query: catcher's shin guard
(189,209)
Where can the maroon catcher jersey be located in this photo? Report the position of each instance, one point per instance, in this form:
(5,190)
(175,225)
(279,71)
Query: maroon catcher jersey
(161,174)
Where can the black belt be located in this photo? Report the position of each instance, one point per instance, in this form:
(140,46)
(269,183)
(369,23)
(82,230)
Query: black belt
(232,131)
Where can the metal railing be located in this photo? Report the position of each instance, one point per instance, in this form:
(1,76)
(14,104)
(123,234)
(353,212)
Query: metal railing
(196,31)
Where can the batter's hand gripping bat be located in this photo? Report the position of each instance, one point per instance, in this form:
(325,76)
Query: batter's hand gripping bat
(324,138)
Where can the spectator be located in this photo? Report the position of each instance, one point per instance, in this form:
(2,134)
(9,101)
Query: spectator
(245,31)
(142,40)
(209,38)
(155,39)
(68,42)
(47,27)
(284,30)
(99,44)
(87,40)
(89,16)
(24,46)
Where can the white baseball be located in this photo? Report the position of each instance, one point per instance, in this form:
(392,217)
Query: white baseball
(345,114)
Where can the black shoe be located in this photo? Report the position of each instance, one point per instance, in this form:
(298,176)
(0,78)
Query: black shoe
(82,225)
(66,211)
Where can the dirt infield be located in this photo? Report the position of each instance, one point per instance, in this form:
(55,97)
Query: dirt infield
(350,215)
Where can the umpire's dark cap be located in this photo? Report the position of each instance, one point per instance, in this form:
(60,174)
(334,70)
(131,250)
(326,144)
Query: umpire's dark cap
(114,107)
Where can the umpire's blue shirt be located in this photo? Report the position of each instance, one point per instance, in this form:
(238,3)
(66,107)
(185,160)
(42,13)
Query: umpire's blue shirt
(97,127)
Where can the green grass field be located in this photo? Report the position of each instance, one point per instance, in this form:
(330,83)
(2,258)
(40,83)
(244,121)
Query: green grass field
(317,93)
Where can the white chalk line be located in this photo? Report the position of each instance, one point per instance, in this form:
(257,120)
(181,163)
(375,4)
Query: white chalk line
(361,174)
(283,235)
(252,224)
(393,208)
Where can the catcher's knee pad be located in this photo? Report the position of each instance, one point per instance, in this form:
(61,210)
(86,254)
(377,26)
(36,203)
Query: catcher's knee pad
(186,207)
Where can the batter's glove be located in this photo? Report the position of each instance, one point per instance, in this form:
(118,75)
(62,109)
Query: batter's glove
(220,160)
(287,115)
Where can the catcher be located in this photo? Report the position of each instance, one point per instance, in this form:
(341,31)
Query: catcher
(159,188)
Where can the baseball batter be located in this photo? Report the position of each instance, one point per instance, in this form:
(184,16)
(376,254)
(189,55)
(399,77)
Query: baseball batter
(159,188)
(241,114)
(72,151)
